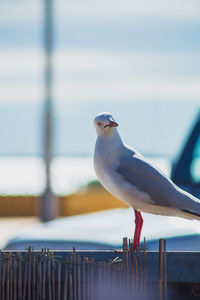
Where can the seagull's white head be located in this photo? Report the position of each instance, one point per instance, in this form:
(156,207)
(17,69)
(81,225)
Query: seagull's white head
(105,124)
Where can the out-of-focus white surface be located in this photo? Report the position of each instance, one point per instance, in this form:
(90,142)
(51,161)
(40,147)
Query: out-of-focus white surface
(12,226)
(108,227)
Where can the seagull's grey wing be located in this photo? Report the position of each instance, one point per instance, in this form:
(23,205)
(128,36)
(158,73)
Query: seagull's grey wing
(149,179)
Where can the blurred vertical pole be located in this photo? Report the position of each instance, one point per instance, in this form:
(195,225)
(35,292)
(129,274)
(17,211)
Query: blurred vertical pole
(47,201)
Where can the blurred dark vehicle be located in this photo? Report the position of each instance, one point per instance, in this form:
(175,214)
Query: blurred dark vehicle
(186,168)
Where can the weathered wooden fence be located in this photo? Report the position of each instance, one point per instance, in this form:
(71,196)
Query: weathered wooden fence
(93,275)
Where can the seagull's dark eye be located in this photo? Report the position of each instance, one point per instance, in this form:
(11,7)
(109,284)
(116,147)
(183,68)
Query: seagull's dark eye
(98,123)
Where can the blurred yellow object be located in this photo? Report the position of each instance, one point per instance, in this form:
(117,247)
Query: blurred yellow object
(82,202)
(17,205)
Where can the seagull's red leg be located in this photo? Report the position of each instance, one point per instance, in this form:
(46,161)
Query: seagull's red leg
(140,226)
(138,229)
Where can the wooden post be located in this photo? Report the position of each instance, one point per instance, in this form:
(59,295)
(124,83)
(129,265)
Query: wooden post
(165,270)
(160,283)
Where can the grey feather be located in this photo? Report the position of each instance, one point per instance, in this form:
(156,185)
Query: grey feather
(149,179)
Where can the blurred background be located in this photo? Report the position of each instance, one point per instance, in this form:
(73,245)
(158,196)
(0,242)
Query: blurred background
(63,62)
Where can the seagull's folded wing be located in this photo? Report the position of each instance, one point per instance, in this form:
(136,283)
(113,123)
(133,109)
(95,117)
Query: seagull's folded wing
(149,179)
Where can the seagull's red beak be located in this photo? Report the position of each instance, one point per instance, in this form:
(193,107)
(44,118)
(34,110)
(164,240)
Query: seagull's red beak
(111,124)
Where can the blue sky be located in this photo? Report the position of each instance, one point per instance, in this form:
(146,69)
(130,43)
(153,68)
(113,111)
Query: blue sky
(132,50)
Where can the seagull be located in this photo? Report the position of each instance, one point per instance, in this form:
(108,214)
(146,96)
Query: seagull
(126,174)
